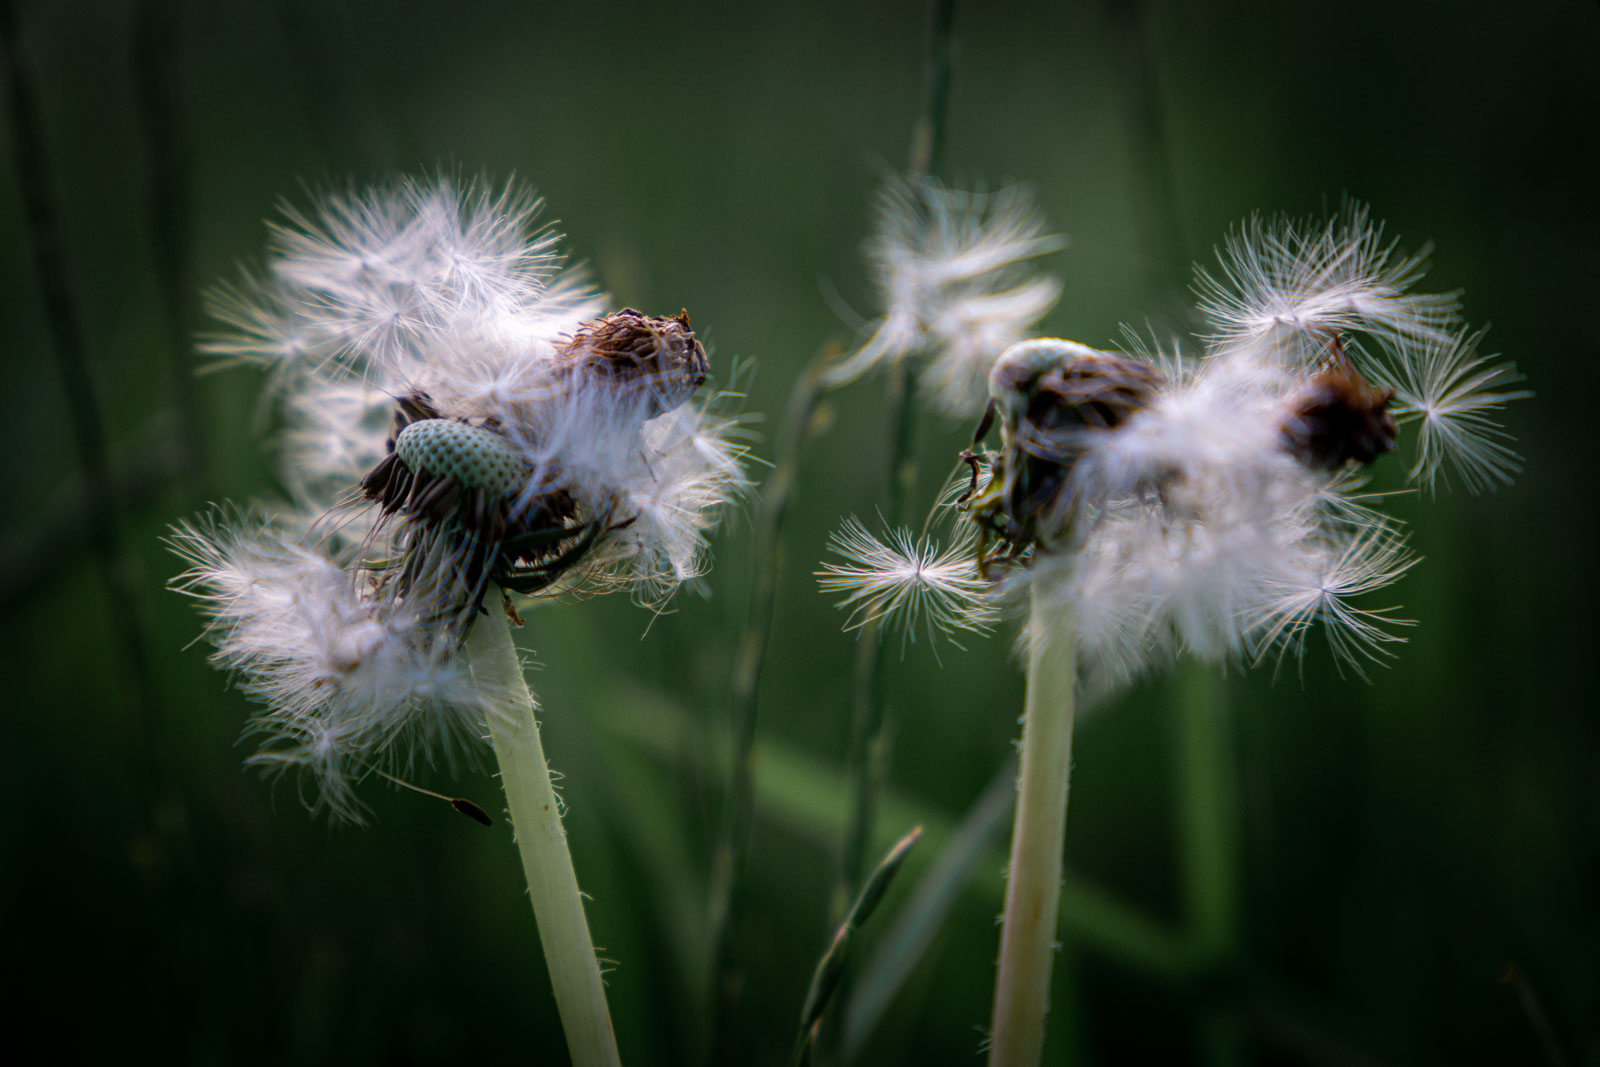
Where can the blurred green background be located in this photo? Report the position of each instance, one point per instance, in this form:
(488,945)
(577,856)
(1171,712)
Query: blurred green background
(1305,870)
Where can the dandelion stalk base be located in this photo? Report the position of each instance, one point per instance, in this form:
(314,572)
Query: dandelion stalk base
(1033,892)
(542,843)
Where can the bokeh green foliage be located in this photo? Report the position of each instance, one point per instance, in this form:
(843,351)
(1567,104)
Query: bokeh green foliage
(1400,842)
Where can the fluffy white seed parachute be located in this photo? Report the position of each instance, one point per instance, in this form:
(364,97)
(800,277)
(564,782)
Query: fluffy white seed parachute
(341,685)
(910,579)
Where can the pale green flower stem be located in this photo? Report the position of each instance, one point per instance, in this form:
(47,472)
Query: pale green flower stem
(1033,892)
(536,821)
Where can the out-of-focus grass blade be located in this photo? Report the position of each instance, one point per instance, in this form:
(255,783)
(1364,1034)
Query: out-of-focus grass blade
(1538,1018)
(913,931)
(729,859)
(656,835)
(831,967)
(811,798)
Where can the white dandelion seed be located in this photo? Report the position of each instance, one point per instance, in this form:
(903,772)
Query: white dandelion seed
(1453,395)
(1305,280)
(1321,595)
(909,580)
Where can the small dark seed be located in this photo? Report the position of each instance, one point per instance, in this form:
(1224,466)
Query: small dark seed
(471,811)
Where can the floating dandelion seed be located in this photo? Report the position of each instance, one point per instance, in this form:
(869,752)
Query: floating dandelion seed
(952,269)
(909,579)
(1370,561)
(1452,394)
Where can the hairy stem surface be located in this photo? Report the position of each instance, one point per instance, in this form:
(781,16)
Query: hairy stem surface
(1033,894)
(542,843)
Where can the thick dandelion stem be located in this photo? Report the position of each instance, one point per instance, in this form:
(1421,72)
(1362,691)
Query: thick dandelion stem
(1033,893)
(542,843)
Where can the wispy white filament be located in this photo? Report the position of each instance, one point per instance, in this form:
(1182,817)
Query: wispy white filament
(1453,395)
(343,688)
(909,579)
(1323,595)
(951,266)
(1282,276)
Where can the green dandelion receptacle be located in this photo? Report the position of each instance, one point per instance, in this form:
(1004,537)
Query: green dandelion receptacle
(468,498)
(475,456)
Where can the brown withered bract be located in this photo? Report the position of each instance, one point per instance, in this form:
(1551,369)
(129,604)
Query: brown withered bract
(630,347)
(1339,417)
(1097,392)
(1044,412)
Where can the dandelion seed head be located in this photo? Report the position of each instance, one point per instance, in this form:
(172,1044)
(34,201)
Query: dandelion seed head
(1214,507)
(460,414)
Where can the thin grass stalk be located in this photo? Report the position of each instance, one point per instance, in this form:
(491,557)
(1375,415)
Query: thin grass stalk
(1161,231)
(71,360)
(1208,821)
(927,144)
(733,845)
(830,971)
(1033,888)
(156,41)
(542,843)
(908,939)
(869,723)
(809,798)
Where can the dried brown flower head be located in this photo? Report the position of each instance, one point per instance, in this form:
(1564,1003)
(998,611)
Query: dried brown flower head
(1050,397)
(1339,417)
(630,347)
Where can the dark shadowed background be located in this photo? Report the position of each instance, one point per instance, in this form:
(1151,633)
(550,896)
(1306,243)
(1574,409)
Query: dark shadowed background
(1410,868)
